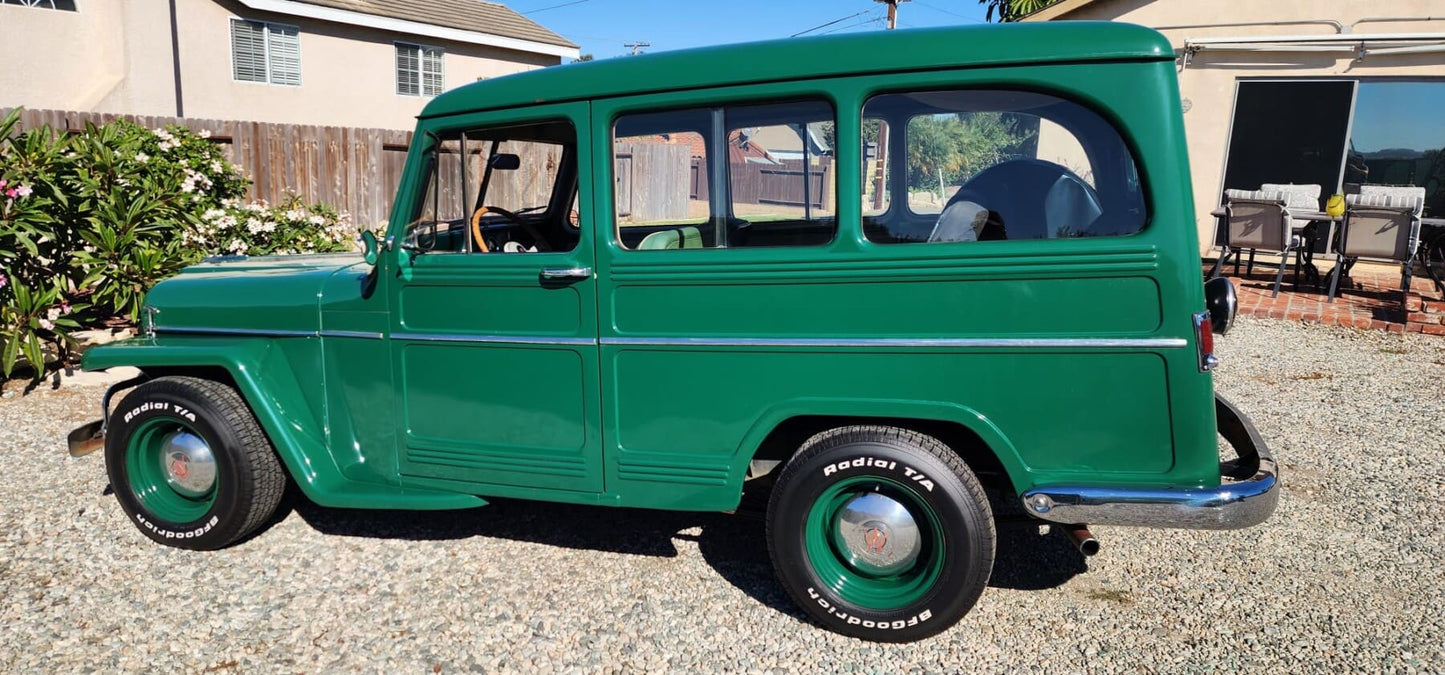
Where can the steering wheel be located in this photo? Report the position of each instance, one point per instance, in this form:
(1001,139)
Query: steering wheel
(481,244)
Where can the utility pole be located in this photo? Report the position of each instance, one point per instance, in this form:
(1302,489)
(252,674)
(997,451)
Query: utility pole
(892,12)
(636,47)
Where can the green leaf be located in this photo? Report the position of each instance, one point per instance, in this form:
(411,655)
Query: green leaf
(10,353)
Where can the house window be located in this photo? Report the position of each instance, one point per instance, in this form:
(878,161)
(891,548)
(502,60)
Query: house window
(63,5)
(265,52)
(419,70)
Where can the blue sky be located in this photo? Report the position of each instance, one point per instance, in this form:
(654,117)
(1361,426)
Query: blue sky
(1399,115)
(601,27)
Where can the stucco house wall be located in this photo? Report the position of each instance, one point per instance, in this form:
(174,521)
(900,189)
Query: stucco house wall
(115,56)
(1208,81)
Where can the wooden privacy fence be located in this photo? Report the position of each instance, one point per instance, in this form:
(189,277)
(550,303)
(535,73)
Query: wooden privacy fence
(649,181)
(355,170)
(358,170)
(783,184)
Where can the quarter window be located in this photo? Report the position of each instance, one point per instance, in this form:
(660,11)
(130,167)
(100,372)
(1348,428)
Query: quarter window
(499,190)
(994,165)
(265,52)
(419,70)
(740,176)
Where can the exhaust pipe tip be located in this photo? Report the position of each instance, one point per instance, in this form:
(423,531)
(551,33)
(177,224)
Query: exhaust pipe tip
(1082,539)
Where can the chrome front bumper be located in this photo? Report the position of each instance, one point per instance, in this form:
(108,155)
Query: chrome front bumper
(1246,497)
(90,437)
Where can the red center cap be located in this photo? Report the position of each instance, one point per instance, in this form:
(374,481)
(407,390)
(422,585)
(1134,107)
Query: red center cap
(875,539)
(180,467)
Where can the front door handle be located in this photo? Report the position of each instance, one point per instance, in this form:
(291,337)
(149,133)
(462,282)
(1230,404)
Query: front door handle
(566,273)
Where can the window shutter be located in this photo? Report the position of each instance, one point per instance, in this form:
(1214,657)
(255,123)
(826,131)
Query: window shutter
(248,51)
(284,43)
(433,75)
(408,70)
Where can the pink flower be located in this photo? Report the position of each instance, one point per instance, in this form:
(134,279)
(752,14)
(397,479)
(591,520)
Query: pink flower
(64,308)
(3,281)
(12,192)
(24,190)
(46,324)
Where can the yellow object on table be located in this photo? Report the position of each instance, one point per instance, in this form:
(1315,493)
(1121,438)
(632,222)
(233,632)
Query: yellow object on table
(1335,206)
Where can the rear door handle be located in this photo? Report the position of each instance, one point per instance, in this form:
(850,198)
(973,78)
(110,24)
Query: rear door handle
(566,273)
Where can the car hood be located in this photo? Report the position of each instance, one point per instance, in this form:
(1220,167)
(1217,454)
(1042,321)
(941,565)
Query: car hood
(273,294)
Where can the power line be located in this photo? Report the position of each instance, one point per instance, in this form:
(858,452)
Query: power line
(944,11)
(857,24)
(830,23)
(565,4)
(892,12)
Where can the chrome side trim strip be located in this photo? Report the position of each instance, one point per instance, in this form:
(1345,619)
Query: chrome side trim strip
(251,332)
(1046,343)
(363,335)
(1064,343)
(496,339)
(1232,505)
(262,332)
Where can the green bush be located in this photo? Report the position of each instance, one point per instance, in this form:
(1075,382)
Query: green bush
(90,221)
(259,229)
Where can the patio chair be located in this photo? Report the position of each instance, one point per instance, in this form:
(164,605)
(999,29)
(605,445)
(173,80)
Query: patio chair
(1258,220)
(1380,225)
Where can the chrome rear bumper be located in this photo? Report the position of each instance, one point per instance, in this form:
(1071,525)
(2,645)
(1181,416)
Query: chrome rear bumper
(1247,496)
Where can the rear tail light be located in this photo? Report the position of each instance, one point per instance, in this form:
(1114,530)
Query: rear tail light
(1204,339)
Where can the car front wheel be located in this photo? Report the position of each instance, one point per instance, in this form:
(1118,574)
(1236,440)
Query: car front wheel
(189,463)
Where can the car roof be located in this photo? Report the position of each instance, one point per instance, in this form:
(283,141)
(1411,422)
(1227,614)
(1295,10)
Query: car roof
(806,58)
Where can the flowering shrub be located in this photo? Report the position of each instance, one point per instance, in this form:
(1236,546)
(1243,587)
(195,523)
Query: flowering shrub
(259,229)
(89,222)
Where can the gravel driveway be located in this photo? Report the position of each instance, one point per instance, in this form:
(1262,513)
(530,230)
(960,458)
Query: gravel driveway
(1346,576)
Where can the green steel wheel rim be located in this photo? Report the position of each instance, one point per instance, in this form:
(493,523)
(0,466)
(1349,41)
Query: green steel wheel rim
(860,585)
(158,490)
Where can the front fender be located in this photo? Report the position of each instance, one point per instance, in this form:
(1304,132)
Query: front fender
(267,382)
(264,379)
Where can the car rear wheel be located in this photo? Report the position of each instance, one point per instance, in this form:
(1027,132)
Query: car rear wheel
(880,533)
(189,463)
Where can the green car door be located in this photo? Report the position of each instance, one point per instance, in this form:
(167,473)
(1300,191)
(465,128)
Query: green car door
(494,328)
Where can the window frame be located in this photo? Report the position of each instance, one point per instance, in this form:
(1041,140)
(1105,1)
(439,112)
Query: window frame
(422,51)
(716,165)
(266,37)
(1122,133)
(565,189)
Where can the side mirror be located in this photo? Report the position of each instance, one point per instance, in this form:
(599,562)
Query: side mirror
(1220,300)
(505,162)
(369,247)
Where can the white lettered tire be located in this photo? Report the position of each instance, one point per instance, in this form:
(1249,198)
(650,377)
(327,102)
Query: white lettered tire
(190,465)
(880,533)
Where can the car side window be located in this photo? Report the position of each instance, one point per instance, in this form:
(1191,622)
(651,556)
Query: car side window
(975,165)
(508,189)
(728,177)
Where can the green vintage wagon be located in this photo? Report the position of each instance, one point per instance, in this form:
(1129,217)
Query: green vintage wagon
(898,283)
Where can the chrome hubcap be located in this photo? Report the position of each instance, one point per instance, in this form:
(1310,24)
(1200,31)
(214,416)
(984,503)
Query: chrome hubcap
(187,463)
(879,535)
